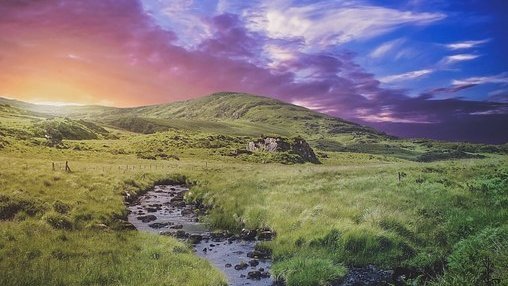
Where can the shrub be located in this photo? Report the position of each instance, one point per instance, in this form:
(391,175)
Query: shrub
(480,259)
(59,221)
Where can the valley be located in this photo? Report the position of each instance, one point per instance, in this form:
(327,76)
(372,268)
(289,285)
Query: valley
(428,211)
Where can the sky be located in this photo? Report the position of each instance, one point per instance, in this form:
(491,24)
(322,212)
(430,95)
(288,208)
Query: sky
(414,68)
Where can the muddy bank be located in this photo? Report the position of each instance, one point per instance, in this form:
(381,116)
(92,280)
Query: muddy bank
(164,211)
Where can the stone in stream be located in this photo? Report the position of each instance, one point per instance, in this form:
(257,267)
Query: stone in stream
(254,262)
(247,234)
(147,218)
(228,265)
(151,210)
(260,273)
(254,275)
(258,254)
(158,225)
(241,266)
(187,212)
(219,236)
(177,226)
(369,275)
(181,234)
(195,238)
(157,206)
(178,204)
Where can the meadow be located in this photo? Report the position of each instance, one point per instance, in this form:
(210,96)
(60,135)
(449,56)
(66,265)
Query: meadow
(443,222)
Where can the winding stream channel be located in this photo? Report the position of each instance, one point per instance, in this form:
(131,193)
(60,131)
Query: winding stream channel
(163,211)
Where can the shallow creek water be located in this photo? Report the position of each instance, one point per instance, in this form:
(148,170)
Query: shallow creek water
(163,211)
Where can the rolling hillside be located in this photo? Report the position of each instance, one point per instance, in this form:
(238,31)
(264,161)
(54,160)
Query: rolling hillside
(216,112)
(240,114)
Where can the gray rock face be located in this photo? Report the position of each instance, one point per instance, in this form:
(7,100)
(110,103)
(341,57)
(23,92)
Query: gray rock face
(278,144)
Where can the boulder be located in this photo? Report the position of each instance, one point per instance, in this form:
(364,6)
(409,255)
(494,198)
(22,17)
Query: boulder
(297,146)
(247,234)
(195,238)
(147,218)
(241,266)
(181,234)
(254,262)
(158,225)
(259,254)
(254,275)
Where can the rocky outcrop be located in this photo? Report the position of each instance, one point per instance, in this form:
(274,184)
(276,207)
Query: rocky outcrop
(297,146)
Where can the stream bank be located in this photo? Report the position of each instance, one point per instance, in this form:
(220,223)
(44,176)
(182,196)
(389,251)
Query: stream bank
(164,211)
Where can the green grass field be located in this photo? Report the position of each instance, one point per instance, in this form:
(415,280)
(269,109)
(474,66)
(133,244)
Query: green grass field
(446,221)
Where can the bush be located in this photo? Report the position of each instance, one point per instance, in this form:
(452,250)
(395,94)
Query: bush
(479,260)
(493,187)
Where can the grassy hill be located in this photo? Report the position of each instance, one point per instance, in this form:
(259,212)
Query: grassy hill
(240,114)
(272,116)
(241,107)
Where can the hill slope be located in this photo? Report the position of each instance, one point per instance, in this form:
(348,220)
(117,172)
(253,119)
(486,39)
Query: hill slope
(247,111)
(240,114)
(216,112)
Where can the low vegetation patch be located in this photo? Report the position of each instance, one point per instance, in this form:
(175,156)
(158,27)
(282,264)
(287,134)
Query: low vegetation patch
(446,155)
(10,207)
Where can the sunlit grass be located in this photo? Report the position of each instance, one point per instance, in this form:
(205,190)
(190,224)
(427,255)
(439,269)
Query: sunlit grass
(60,228)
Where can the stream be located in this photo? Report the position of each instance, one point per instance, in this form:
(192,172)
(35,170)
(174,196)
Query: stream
(164,211)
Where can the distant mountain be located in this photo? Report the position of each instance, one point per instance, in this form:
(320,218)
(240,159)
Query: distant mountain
(225,112)
(230,107)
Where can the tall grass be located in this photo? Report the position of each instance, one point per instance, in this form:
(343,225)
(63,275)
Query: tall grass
(61,228)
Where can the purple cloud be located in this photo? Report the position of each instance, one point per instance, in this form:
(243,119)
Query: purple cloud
(128,58)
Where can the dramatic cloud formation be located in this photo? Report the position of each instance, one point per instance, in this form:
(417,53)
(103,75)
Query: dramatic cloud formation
(126,52)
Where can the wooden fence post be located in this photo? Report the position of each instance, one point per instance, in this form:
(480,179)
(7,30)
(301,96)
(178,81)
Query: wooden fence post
(67,168)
